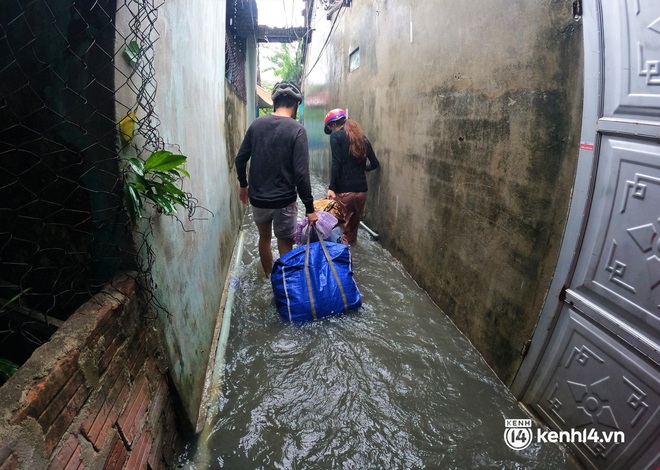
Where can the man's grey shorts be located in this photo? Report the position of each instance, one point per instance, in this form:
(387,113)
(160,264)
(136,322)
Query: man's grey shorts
(284,220)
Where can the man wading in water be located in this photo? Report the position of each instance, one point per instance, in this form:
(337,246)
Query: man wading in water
(277,146)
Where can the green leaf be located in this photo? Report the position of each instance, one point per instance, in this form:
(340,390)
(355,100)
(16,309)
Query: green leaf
(129,206)
(160,188)
(137,165)
(166,178)
(14,299)
(181,200)
(135,196)
(169,163)
(139,186)
(156,157)
(180,170)
(164,204)
(7,368)
(155,181)
(132,52)
(287,61)
(171,193)
(164,160)
(133,203)
(174,191)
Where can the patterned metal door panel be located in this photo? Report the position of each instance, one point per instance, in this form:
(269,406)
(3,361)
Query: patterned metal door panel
(598,366)
(592,380)
(632,58)
(619,266)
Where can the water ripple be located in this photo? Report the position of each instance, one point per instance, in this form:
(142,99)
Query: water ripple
(394,385)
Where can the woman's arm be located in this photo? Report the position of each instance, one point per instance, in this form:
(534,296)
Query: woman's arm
(371,156)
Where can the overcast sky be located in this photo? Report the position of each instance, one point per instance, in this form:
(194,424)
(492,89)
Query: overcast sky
(280,13)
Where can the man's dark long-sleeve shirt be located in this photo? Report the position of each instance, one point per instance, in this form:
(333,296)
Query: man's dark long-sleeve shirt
(347,174)
(278,150)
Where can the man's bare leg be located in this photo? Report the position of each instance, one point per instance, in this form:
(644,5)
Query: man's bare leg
(284,245)
(265,251)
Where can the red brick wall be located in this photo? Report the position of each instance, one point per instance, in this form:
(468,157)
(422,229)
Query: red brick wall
(95,396)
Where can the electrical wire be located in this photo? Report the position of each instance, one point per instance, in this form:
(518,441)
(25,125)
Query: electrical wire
(286,19)
(327,39)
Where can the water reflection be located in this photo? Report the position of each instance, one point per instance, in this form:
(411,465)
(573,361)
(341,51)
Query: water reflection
(393,386)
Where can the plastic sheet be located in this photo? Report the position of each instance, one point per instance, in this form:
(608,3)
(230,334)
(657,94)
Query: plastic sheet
(325,225)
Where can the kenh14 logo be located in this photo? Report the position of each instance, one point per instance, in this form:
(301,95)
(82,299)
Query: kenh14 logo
(518,433)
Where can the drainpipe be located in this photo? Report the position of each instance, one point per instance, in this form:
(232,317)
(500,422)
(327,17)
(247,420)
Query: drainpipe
(373,234)
(203,457)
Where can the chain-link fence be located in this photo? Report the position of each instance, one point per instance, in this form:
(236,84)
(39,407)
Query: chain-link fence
(69,72)
(77,97)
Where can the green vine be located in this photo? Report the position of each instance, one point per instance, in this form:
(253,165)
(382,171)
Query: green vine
(7,369)
(155,180)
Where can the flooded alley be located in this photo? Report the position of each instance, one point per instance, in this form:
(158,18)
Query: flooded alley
(394,385)
(513,287)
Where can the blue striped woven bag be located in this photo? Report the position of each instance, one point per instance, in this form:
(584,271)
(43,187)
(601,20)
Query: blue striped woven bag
(314,281)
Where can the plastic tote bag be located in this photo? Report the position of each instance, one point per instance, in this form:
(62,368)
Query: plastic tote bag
(314,281)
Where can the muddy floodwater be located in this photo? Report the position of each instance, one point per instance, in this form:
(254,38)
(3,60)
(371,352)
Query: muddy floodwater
(392,386)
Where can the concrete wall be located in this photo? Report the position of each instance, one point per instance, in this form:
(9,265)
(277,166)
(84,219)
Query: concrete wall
(191,265)
(474,110)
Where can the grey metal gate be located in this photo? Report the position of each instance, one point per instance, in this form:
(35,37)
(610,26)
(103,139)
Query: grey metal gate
(594,360)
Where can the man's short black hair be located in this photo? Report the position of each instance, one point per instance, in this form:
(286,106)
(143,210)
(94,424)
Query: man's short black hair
(286,101)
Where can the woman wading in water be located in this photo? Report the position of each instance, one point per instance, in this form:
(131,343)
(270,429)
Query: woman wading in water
(352,157)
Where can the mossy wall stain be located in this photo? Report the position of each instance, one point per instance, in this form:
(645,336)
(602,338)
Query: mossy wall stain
(474,110)
(494,203)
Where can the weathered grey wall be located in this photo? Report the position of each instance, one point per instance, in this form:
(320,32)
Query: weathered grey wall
(474,111)
(191,266)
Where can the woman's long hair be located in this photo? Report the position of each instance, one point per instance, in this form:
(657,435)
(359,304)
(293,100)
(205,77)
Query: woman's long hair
(358,142)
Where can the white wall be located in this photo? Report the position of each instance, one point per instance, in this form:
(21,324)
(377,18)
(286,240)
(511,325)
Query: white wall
(191,265)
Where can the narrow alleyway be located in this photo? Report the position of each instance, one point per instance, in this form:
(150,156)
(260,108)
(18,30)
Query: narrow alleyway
(393,386)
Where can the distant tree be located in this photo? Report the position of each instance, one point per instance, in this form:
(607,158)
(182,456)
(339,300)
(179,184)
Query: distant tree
(287,62)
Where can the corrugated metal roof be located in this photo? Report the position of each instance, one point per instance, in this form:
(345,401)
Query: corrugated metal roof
(264,98)
(268,34)
(242,18)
